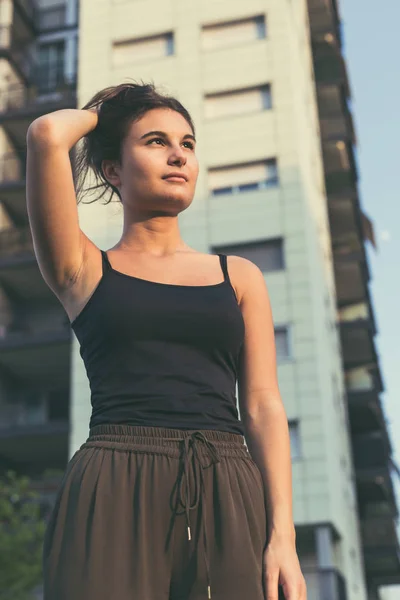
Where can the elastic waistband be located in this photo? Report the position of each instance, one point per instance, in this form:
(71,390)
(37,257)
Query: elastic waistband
(162,439)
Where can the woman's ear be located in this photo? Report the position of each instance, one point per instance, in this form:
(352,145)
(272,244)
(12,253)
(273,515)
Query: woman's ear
(111,171)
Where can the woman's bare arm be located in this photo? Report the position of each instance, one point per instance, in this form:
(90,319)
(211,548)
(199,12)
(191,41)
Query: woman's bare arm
(261,407)
(58,241)
(267,433)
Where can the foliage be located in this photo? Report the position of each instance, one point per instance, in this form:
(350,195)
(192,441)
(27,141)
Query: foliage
(22,530)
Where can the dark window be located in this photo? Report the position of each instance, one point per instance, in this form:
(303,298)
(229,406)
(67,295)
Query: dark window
(261,27)
(50,67)
(170,44)
(266,97)
(267,254)
(282,342)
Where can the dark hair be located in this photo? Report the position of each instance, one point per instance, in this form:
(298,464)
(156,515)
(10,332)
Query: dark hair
(118,107)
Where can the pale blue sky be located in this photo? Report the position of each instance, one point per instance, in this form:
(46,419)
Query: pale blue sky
(371,49)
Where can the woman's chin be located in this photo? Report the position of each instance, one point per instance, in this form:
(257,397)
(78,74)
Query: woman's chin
(171,203)
(174,203)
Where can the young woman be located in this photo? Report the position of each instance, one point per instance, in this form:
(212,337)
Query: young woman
(164,500)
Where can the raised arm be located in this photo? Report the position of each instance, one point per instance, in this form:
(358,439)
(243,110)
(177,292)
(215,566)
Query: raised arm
(58,241)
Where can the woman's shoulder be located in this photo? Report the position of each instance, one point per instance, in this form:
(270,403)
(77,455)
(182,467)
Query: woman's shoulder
(243,267)
(245,275)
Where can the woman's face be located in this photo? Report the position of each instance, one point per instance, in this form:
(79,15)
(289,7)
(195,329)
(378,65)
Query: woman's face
(148,158)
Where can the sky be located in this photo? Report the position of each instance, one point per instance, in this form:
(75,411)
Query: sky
(372,55)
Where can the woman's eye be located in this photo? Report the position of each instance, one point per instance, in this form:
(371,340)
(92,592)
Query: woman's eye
(191,145)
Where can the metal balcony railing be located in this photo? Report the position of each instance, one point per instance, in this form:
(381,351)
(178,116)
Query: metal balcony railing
(53,86)
(5,36)
(324,17)
(15,241)
(12,168)
(17,336)
(28,6)
(23,413)
(16,96)
(379,531)
(372,451)
(23,59)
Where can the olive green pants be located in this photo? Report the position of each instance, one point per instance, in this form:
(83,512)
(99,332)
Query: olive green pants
(149,513)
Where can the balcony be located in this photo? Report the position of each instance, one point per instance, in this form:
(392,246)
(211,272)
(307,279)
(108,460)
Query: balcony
(340,182)
(16,53)
(324,584)
(374,480)
(20,105)
(20,276)
(375,486)
(345,222)
(12,168)
(337,127)
(365,411)
(16,246)
(31,350)
(26,11)
(335,114)
(340,169)
(381,550)
(34,356)
(366,415)
(12,187)
(363,379)
(349,257)
(346,232)
(324,18)
(52,18)
(329,65)
(17,36)
(350,261)
(34,431)
(371,450)
(351,280)
(357,329)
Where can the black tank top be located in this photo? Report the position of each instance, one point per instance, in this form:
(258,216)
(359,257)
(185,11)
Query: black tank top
(161,354)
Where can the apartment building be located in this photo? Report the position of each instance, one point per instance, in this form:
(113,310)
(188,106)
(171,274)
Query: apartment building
(38,59)
(266,84)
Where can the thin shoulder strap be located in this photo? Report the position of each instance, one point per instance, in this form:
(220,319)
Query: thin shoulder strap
(224,266)
(105,261)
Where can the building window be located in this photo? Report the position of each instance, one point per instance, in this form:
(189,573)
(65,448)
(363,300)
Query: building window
(219,35)
(266,254)
(266,97)
(143,49)
(169,38)
(49,71)
(261,28)
(294,439)
(238,102)
(51,17)
(282,343)
(243,178)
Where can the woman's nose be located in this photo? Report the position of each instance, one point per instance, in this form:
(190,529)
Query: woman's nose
(178,154)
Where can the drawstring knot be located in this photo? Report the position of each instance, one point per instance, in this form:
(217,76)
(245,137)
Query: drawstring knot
(191,450)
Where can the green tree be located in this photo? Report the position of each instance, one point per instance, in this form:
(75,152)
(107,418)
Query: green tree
(21,538)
